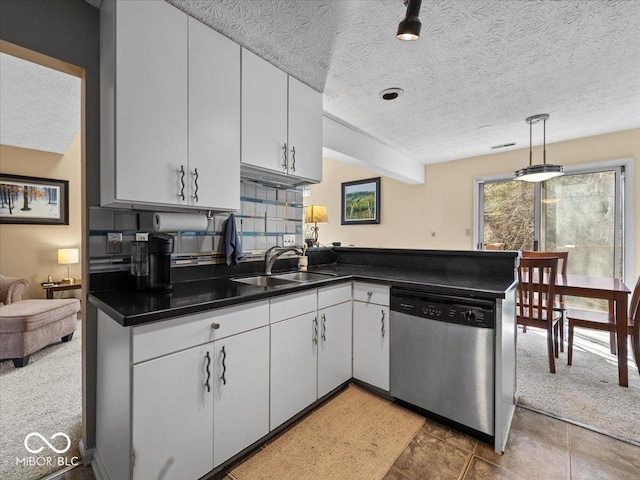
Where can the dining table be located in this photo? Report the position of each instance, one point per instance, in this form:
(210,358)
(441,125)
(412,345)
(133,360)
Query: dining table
(606,288)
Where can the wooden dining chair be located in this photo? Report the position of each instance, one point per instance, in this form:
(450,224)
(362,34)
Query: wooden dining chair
(606,322)
(536,294)
(558,303)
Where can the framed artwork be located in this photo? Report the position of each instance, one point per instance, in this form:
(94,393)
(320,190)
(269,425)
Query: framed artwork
(32,200)
(361,202)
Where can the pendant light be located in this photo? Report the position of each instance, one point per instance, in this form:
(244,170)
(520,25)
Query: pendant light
(409,28)
(538,173)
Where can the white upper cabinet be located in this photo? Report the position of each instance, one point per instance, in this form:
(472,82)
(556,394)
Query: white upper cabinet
(305,131)
(281,122)
(170,103)
(264,114)
(144,101)
(214,119)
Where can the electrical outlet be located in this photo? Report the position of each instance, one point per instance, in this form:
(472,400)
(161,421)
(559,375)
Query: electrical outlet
(288,240)
(142,237)
(114,242)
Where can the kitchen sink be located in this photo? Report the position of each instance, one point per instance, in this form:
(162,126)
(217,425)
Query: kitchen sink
(265,281)
(282,279)
(303,276)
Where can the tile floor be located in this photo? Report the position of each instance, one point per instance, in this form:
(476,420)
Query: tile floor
(539,447)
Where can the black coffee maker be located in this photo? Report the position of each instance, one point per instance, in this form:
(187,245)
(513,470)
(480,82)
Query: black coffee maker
(160,250)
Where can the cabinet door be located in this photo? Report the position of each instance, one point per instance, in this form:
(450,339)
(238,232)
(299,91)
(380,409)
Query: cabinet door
(241,392)
(305,131)
(151,102)
(214,119)
(334,355)
(371,344)
(293,366)
(172,414)
(264,113)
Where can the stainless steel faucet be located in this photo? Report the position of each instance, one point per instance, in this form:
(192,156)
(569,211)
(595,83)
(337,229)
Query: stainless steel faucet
(270,257)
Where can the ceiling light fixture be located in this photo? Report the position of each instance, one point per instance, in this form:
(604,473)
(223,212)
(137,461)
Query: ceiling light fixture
(538,173)
(409,28)
(391,93)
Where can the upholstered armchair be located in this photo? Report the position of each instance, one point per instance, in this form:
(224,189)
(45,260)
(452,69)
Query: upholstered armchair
(12,289)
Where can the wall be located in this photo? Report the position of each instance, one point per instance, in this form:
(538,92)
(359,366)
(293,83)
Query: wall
(439,214)
(69,30)
(30,251)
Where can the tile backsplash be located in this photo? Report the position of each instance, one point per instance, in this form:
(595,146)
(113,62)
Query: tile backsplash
(266,213)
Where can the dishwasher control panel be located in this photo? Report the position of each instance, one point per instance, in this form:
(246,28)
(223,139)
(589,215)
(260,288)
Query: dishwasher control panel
(444,308)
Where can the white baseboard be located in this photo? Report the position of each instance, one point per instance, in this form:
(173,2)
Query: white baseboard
(98,467)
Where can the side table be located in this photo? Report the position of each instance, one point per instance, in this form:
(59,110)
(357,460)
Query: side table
(52,287)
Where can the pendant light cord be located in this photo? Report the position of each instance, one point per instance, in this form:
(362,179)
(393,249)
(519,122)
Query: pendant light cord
(530,144)
(544,141)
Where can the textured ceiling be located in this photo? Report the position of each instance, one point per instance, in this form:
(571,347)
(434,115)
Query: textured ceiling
(39,107)
(477,63)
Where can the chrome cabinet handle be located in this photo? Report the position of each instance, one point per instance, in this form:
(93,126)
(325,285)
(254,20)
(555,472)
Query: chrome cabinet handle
(382,329)
(284,157)
(195,181)
(207,384)
(293,159)
(324,327)
(224,366)
(182,182)
(315,331)
(215,326)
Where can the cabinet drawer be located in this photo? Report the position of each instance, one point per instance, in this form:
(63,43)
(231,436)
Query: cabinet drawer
(371,293)
(334,295)
(239,319)
(291,306)
(162,338)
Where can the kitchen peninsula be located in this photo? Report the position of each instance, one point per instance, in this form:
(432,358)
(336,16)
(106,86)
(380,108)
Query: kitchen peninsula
(217,351)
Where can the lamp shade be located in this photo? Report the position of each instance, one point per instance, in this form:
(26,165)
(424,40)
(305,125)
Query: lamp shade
(68,256)
(316,214)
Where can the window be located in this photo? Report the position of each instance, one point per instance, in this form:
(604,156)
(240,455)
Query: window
(585,212)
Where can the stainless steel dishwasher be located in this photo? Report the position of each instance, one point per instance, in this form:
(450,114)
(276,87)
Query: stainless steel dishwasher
(442,356)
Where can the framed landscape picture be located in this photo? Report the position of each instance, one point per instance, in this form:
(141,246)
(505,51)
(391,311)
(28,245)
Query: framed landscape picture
(32,200)
(361,202)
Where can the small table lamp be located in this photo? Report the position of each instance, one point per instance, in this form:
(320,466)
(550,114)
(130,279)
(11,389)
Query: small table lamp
(316,214)
(68,256)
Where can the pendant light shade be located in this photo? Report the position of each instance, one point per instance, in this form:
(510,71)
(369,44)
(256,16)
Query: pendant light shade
(538,173)
(409,28)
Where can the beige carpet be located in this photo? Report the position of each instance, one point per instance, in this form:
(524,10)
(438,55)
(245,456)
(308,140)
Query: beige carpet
(356,435)
(44,397)
(585,392)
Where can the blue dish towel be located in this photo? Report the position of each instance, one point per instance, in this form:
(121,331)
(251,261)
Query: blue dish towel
(231,245)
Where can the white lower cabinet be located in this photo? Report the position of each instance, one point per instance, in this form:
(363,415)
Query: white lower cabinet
(311,352)
(240,392)
(176,398)
(334,347)
(172,413)
(371,344)
(293,366)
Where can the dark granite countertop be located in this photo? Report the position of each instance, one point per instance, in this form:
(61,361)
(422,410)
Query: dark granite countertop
(459,285)
(135,308)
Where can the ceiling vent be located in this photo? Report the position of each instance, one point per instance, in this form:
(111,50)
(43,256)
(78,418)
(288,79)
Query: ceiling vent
(504,145)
